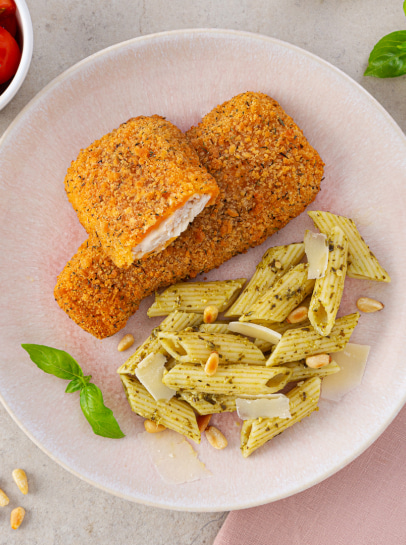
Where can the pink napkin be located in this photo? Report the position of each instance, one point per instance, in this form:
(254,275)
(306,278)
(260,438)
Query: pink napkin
(363,504)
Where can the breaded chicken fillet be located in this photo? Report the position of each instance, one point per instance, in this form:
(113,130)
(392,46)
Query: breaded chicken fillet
(267,173)
(138,188)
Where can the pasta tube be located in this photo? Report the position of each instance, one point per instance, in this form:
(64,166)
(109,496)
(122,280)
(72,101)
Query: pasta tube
(297,344)
(209,403)
(361,261)
(174,414)
(300,370)
(229,379)
(196,296)
(274,264)
(215,328)
(303,400)
(280,327)
(276,303)
(328,290)
(197,347)
(176,321)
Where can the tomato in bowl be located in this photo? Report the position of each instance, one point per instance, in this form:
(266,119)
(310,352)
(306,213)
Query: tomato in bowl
(16,43)
(8,18)
(10,55)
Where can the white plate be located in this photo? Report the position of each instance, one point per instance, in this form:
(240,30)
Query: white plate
(183,75)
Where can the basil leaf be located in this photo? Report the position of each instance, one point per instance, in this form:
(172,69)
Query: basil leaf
(62,365)
(99,416)
(53,361)
(388,57)
(76,384)
(404,6)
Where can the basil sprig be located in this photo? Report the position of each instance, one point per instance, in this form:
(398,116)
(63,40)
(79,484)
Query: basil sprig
(62,365)
(388,57)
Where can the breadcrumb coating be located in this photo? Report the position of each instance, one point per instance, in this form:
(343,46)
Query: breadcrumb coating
(267,173)
(125,184)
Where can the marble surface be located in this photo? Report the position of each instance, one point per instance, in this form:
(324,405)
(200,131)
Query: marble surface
(61,509)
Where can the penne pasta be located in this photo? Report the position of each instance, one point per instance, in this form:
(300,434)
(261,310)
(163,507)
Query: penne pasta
(229,379)
(176,321)
(209,403)
(285,295)
(297,344)
(361,261)
(149,346)
(264,346)
(303,400)
(215,328)
(280,327)
(328,290)
(196,296)
(174,414)
(300,371)
(197,347)
(275,262)
(242,370)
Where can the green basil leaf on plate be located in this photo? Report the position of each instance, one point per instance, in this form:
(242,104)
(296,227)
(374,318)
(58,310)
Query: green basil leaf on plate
(62,365)
(53,361)
(76,384)
(99,416)
(388,57)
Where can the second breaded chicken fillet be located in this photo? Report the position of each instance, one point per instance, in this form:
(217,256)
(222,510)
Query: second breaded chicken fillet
(267,173)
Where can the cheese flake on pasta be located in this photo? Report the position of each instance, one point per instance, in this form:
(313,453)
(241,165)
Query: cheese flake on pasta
(317,254)
(150,372)
(255,330)
(269,406)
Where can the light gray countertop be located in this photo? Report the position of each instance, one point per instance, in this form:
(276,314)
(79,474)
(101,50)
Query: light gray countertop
(62,509)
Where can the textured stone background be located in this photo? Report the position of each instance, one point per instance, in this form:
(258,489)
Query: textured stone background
(61,509)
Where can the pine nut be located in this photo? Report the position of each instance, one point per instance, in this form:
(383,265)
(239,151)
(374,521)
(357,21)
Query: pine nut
(3,499)
(16,517)
(320,360)
(126,342)
(216,438)
(203,422)
(366,304)
(152,427)
(211,364)
(20,478)
(278,265)
(210,314)
(297,315)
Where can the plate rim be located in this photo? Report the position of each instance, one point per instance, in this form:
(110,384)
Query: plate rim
(217,32)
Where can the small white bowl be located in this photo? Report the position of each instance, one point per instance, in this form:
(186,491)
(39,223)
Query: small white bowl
(26,42)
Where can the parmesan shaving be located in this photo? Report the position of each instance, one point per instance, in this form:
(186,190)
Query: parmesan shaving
(266,406)
(150,372)
(352,361)
(317,254)
(174,458)
(256,331)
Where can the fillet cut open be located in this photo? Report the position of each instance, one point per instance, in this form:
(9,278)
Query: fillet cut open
(267,173)
(138,188)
